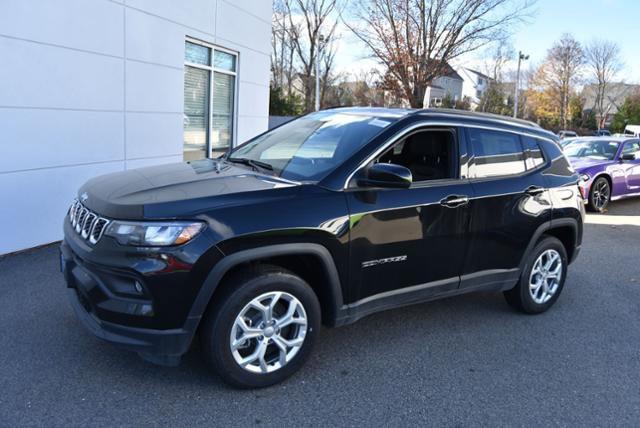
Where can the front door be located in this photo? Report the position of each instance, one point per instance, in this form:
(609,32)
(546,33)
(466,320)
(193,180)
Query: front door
(412,240)
(631,167)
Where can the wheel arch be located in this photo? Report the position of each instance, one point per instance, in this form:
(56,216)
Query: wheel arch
(602,174)
(294,257)
(564,229)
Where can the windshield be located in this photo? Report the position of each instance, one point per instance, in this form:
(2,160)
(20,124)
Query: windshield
(567,141)
(308,148)
(603,150)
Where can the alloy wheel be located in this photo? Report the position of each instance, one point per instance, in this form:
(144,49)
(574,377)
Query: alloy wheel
(545,277)
(268,332)
(601,193)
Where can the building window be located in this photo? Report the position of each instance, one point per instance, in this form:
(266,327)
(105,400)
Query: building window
(480,81)
(209,100)
(478,93)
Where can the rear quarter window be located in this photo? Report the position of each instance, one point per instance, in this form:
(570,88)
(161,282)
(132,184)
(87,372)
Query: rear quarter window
(534,156)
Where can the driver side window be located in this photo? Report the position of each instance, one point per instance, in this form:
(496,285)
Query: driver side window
(428,154)
(632,147)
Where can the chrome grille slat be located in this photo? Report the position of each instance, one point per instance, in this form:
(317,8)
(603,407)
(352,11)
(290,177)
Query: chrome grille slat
(97,229)
(89,220)
(81,217)
(89,225)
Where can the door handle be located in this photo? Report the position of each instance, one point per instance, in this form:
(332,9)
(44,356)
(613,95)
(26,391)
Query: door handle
(534,190)
(454,201)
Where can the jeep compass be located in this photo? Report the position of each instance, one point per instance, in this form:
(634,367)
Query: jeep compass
(323,220)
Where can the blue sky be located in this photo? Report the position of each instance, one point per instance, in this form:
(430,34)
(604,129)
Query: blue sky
(616,20)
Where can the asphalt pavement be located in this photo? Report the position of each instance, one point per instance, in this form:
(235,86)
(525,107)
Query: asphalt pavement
(462,361)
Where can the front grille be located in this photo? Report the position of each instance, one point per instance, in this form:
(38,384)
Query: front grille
(86,223)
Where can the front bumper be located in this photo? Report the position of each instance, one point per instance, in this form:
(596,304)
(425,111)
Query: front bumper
(88,295)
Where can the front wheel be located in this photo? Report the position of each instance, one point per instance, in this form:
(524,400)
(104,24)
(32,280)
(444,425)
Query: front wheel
(542,278)
(600,195)
(262,328)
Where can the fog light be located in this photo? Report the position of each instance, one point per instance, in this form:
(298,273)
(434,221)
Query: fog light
(146,310)
(138,287)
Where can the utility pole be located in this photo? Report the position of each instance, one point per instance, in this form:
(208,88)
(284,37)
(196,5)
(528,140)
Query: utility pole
(319,40)
(521,57)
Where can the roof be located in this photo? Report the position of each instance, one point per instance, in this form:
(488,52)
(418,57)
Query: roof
(478,73)
(375,111)
(605,138)
(448,71)
(400,112)
(477,115)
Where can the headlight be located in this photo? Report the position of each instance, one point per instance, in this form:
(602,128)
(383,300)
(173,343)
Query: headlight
(153,234)
(585,177)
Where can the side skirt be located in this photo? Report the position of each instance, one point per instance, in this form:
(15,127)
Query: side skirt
(422,293)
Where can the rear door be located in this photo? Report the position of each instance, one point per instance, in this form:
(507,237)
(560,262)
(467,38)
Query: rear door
(511,202)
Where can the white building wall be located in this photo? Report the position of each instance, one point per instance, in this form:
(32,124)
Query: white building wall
(89,87)
(474,86)
(443,86)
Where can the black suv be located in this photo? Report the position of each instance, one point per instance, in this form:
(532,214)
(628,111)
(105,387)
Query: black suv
(326,219)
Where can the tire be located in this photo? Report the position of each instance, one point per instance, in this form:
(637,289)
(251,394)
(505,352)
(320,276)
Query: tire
(599,195)
(265,336)
(524,296)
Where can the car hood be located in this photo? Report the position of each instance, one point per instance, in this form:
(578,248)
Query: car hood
(163,191)
(583,164)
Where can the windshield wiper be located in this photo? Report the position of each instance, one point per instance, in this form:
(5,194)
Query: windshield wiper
(255,164)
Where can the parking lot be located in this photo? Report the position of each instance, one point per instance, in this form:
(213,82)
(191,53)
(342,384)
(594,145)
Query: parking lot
(466,360)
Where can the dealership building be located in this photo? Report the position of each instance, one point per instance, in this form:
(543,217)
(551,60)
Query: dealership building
(90,87)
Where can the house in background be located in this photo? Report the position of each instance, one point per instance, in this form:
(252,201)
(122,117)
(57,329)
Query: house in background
(615,95)
(474,86)
(449,85)
(94,87)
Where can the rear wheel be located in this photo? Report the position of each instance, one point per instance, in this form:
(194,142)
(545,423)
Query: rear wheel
(599,195)
(262,328)
(542,279)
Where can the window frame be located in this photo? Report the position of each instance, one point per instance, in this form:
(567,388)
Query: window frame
(464,146)
(211,69)
(629,143)
(527,153)
(461,149)
(456,154)
(472,161)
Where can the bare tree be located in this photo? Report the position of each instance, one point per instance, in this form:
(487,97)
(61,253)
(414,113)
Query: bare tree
(604,63)
(562,71)
(308,21)
(499,56)
(414,39)
(283,54)
(327,77)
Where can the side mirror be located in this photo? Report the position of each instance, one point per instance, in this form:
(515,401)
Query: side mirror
(628,157)
(386,175)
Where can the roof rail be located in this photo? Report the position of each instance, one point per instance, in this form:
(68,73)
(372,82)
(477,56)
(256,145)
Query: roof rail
(472,114)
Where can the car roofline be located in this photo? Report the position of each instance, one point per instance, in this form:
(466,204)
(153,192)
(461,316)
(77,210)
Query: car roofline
(495,118)
(400,113)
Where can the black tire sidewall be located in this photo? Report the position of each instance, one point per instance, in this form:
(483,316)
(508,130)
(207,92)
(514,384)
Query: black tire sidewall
(591,202)
(217,342)
(526,301)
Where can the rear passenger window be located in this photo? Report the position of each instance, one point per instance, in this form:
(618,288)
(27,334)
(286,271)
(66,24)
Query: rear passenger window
(533,154)
(496,153)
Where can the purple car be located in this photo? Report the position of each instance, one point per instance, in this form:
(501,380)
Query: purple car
(610,169)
